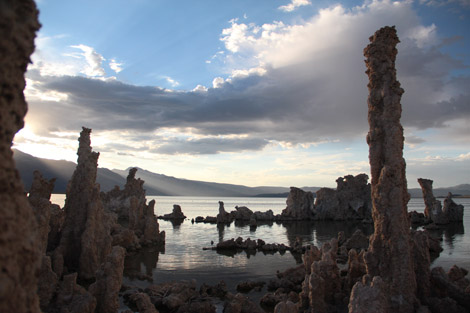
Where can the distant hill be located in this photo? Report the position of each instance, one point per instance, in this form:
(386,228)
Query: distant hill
(167,185)
(61,170)
(155,184)
(162,185)
(459,190)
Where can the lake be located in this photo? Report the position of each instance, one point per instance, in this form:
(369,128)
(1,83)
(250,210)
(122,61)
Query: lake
(183,257)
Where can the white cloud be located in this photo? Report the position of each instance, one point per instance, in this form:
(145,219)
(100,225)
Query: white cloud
(463,157)
(294,5)
(218,82)
(172,82)
(200,88)
(115,66)
(94,61)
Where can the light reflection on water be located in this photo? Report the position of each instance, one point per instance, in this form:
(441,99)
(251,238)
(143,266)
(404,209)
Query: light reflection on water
(184,257)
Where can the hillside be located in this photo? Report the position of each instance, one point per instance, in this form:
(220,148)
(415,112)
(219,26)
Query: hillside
(155,184)
(162,185)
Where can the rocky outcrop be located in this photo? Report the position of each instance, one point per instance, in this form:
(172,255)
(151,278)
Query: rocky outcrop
(433,207)
(143,303)
(176,214)
(452,210)
(20,257)
(350,200)
(242,213)
(240,303)
(85,241)
(369,296)
(39,196)
(249,244)
(223,217)
(389,255)
(434,211)
(73,298)
(135,217)
(299,205)
(109,281)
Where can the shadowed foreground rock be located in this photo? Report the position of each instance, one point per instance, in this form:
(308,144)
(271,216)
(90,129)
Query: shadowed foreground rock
(20,257)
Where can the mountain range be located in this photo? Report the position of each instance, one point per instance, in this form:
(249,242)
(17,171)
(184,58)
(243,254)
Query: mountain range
(162,185)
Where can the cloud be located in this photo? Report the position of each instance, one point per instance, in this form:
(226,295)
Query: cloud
(115,66)
(171,81)
(94,61)
(289,84)
(210,146)
(294,5)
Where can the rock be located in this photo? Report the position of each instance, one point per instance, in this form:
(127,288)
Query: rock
(172,295)
(219,290)
(417,218)
(85,241)
(350,200)
(197,306)
(242,213)
(109,281)
(446,304)
(73,298)
(223,217)
(456,273)
(369,296)
(47,283)
(39,196)
(271,300)
(177,214)
(443,287)
(56,223)
(133,212)
(299,205)
(358,241)
(20,257)
(264,216)
(285,307)
(356,268)
(422,263)
(247,286)
(327,269)
(433,207)
(452,210)
(241,304)
(389,255)
(142,302)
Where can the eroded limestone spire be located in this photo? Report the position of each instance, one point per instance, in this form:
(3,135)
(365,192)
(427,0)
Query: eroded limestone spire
(389,255)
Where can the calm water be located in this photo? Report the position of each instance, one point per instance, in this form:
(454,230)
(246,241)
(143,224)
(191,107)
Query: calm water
(184,258)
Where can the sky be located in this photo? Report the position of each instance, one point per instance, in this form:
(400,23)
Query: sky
(258,93)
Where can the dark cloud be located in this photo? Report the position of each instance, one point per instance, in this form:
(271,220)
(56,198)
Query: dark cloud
(322,97)
(210,146)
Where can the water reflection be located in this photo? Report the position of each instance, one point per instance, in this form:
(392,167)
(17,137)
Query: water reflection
(142,262)
(449,233)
